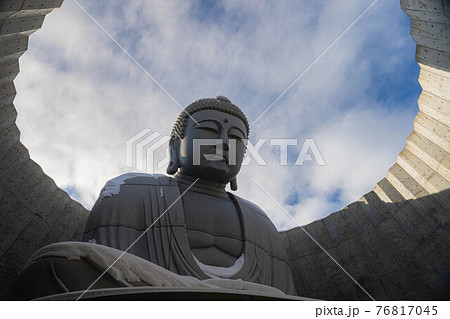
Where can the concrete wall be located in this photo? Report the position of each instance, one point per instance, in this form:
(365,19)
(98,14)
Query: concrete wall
(395,240)
(33,210)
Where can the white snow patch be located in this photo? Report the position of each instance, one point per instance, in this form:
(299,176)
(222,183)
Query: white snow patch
(221,272)
(112,187)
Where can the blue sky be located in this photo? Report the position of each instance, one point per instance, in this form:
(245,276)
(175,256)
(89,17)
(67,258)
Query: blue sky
(81,97)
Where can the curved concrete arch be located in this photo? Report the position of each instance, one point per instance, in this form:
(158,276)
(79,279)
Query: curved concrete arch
(394,241)
(33,211)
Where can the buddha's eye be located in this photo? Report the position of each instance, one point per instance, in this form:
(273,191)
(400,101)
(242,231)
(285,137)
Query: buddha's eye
(235,137)
(211,127)
(235,134)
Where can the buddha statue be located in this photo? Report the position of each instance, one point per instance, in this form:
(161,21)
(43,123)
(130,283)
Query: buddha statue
(186,226)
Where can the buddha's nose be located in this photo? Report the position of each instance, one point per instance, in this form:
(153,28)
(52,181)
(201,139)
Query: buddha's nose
(226,145)
(225,141)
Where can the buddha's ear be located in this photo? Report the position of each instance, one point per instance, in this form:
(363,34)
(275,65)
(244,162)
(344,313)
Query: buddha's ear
(233,184)
(174,146)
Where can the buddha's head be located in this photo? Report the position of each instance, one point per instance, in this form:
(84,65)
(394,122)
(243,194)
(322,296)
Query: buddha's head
(209,140)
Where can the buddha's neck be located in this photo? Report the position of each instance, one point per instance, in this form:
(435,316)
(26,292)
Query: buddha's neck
(201,186)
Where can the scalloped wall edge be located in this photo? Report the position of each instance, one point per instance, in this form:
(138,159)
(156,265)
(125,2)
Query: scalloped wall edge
(394,241)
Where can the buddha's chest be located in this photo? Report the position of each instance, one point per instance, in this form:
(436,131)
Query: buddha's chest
(213,229)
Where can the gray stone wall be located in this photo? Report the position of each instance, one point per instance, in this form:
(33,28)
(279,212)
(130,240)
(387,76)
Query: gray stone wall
(33,211)
(395,240)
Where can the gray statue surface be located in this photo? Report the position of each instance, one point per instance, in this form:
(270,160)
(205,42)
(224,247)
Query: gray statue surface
(207,233)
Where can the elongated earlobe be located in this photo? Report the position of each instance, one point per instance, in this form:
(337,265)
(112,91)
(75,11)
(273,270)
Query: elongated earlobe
(173,164)
(233,184)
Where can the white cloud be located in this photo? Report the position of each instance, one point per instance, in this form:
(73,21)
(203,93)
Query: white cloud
(80,97)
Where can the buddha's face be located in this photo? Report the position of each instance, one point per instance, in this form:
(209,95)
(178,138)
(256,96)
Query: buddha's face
(214,147)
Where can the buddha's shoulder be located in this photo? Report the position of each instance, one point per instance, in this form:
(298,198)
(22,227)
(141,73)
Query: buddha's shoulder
(141,179)
(115,185)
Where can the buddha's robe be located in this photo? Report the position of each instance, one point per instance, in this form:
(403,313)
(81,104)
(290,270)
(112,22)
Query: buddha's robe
(149,205)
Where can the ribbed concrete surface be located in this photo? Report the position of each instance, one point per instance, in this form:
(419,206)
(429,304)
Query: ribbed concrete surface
(395,240)
(33,210)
